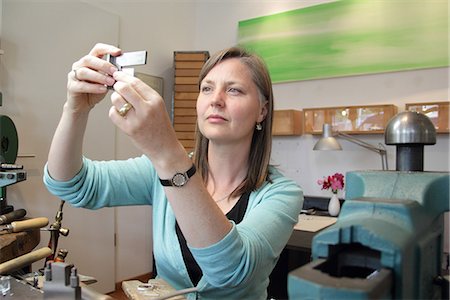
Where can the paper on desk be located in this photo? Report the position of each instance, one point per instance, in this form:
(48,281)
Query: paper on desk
(313,223)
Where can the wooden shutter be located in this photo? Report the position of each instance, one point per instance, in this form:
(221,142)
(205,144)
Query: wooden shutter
(187,67)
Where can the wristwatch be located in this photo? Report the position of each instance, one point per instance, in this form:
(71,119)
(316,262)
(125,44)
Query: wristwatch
(179,179)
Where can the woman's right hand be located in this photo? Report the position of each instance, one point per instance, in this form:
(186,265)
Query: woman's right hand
(89,78)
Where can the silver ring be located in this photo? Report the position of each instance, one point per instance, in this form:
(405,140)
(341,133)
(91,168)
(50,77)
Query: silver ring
(124,109)
(75,74)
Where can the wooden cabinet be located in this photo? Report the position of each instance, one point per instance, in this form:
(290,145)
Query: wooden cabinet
(436,111)
(287,122)
(366,119)
(187,66)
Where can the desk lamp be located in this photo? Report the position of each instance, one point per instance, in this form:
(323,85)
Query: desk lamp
(329,142)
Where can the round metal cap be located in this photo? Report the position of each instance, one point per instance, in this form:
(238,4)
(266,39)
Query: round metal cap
(410,127)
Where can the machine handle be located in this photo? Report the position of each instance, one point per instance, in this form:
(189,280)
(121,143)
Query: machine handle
(12,216)
(24,260)
(28,224)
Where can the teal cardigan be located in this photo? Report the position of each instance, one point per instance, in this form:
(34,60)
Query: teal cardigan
(237,267)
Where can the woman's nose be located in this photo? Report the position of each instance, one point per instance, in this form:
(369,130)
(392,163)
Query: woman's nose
(218,99)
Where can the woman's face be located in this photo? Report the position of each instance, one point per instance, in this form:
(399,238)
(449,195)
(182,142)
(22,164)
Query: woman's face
(229,106)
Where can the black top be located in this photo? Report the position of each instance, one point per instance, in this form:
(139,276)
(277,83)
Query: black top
(236,214)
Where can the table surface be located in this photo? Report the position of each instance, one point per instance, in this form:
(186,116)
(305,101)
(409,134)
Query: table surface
(302,239)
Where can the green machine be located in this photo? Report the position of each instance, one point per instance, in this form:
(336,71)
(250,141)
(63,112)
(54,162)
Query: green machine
(10,173)
(388,240)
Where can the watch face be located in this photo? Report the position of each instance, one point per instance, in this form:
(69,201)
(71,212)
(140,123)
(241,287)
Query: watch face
(179,179)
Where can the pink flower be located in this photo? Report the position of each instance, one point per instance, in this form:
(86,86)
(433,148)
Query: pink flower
(335,182)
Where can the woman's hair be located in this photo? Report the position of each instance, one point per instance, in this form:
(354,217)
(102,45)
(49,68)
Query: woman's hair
(261,146)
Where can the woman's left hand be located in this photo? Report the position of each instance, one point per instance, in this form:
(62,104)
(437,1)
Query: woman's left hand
(147,122)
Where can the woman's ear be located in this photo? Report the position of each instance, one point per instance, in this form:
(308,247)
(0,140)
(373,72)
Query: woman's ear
(263,112)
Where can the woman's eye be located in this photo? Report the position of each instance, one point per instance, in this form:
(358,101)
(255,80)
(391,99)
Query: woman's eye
(234,91)
(205,89)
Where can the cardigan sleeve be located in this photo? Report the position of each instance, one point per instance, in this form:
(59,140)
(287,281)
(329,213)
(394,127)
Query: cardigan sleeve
(253,246)
(108,183)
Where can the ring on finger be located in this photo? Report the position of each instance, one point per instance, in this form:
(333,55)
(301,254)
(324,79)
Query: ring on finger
(124,109)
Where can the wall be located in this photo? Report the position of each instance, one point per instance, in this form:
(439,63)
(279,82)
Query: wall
(294,154)
(215,25)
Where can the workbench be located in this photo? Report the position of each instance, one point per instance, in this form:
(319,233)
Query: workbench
(13,245)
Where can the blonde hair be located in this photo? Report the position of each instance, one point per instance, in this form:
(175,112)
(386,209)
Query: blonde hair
(261,146)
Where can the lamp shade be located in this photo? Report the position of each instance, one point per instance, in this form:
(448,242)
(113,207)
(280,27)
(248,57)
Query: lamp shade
(327,141)
(410,127)
(327,144)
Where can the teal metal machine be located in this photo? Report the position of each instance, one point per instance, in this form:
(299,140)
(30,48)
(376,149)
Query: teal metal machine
(387,242)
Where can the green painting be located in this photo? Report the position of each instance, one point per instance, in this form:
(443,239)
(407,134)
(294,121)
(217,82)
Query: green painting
(350,37)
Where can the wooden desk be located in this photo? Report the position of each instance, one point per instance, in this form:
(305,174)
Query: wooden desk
(308,226)
(300,240)
(13,245)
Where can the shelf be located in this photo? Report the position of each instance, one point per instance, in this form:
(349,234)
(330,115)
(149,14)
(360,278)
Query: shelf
(436,111)
(187,67)
(367,119)
(287,122)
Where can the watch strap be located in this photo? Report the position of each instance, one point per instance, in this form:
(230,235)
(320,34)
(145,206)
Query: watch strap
(188,174)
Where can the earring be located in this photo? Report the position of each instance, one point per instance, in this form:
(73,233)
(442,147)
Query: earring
(258,126)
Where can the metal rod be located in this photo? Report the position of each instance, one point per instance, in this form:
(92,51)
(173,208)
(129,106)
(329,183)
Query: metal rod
(381,150)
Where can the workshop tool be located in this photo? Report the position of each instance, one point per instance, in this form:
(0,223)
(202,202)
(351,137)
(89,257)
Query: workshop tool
(18,226)
(5,167)
(10,173)
(388,240)
(63,282)
(9,142)
(56,230)
(61,255)
(126,60)
(24,260)
(13,216)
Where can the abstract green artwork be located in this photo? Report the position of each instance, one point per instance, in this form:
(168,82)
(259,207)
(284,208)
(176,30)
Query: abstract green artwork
(350,37)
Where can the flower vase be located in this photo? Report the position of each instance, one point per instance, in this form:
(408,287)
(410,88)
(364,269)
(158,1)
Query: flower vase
(334,206)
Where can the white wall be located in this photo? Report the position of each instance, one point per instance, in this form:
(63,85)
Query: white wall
(213,25)
(217,28)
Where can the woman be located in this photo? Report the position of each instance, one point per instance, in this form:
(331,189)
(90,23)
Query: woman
(221,219)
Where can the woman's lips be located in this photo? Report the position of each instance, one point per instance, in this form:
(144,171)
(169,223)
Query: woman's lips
(216,118)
